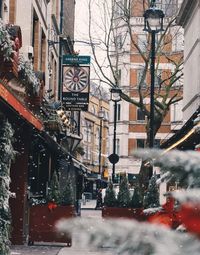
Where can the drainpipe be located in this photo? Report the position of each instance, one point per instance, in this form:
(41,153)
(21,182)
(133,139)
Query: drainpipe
(60,50)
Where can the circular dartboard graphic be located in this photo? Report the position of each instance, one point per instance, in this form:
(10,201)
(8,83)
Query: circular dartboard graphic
(76,79)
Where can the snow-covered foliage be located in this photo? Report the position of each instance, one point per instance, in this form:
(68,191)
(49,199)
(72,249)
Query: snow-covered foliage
(110,196)
(131,237)
(6,44)
(66,197)
(28,77)
(6,155)
(123,196)
(136,200)
(150,211)
(36,201)
(151,198)
(54,189)
(187,196)
(184,166)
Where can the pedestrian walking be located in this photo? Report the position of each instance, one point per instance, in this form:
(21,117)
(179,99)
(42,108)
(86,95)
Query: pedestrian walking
(99,199)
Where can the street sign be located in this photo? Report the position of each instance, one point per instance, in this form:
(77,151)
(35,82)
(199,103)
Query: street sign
(113,158)
(76,87)
(76,107)
(76,60)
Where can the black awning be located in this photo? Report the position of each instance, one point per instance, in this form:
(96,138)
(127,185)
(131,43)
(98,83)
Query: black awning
(184,137)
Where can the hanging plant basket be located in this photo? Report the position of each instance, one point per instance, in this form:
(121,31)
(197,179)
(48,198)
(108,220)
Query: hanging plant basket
(52,125)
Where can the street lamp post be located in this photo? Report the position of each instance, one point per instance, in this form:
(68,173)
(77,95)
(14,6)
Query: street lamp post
(114,158)
(101,116)
(153,23)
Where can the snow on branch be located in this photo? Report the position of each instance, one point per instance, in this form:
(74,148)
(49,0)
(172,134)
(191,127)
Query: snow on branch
(131,237)
(183,165)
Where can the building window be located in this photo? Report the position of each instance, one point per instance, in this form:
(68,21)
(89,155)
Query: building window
(106,116)
(97,137)
(89,134)
(176,112)
(140,143)
(1,9)
(88,139)
(119,42)
(156,143)
(139,78)
(140,114)
(119,8)
(118,111)
(93,110)
(169,7)
(119,76)
(43,53)
(142,42)
(158,78)
(117,146)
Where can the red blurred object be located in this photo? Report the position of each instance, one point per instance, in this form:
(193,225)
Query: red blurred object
(169,205)
(168,217)
(190,216)
(161,218)
(52,206)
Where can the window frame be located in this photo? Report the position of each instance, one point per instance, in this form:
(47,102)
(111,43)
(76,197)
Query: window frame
(140,113)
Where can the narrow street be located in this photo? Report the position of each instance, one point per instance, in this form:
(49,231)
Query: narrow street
(53,249)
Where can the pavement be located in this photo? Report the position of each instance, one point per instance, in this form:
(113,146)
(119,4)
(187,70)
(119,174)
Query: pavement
(87,210)
(88,204)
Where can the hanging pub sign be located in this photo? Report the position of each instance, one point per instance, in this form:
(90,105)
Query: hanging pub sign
(75,89)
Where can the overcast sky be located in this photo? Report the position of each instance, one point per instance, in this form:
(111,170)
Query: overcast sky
(81,29)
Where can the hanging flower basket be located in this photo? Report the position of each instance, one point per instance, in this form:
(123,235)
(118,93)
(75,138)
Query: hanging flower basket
(52,125)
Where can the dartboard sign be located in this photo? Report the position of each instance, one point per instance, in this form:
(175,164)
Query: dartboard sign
(75,91)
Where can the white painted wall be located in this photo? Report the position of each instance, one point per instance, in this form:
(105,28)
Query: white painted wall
(191,94)
(24,21)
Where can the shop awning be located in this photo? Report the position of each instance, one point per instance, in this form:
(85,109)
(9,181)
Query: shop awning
(62,151)
(186,138)
(79,164)
(17,106)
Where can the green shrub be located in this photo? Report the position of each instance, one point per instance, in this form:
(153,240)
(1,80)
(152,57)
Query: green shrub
(54,190)
(123,197)
(151,197)
(110,196)
(136,200)
(67,194)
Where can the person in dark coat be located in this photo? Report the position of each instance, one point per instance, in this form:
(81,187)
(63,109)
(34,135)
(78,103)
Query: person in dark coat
(99,199)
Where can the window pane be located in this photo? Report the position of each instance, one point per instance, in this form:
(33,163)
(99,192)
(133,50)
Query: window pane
(157,143)
(140,143)
(119,8)
(118,111)
(158,78)
(142,42)
(117,146)
(140,114)
(169,7)
(139,77)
